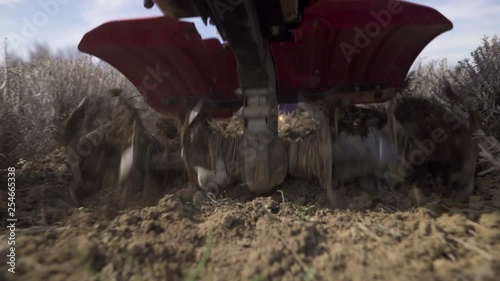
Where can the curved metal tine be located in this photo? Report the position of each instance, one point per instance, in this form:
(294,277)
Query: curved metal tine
(70,127)
(195,111)
(83,102)
(391,119)
(126,163)
(128,158)
(336,117)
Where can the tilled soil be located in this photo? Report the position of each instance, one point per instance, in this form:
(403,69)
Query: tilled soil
(290,234)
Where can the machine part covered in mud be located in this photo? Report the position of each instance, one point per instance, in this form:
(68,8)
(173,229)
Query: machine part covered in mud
(316,52)
(120,153)
(366,153)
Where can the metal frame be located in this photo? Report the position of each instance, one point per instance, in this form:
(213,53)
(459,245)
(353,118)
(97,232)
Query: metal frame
(257,86)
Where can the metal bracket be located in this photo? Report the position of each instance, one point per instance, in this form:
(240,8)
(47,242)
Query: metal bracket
(257,86)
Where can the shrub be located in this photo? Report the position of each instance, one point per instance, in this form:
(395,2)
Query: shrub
(37,96)
(476,80)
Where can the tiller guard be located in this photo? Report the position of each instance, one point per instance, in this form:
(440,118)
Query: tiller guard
(360,49)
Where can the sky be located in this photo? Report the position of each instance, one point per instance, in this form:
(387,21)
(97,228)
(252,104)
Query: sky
(62,23)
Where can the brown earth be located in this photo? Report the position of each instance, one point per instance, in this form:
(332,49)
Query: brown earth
(290,234)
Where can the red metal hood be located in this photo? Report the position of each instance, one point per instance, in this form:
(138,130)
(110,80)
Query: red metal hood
(342,47)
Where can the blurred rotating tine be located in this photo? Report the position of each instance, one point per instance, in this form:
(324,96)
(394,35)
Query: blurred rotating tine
(391,119)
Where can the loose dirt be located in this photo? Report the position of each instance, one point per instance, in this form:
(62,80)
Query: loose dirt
(290,234)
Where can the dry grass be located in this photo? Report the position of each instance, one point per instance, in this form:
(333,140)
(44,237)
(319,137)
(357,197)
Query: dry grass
(37,96)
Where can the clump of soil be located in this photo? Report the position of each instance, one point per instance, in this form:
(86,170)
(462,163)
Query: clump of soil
(290,234)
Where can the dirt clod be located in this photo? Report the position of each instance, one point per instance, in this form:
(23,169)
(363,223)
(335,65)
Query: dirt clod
(288,234)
